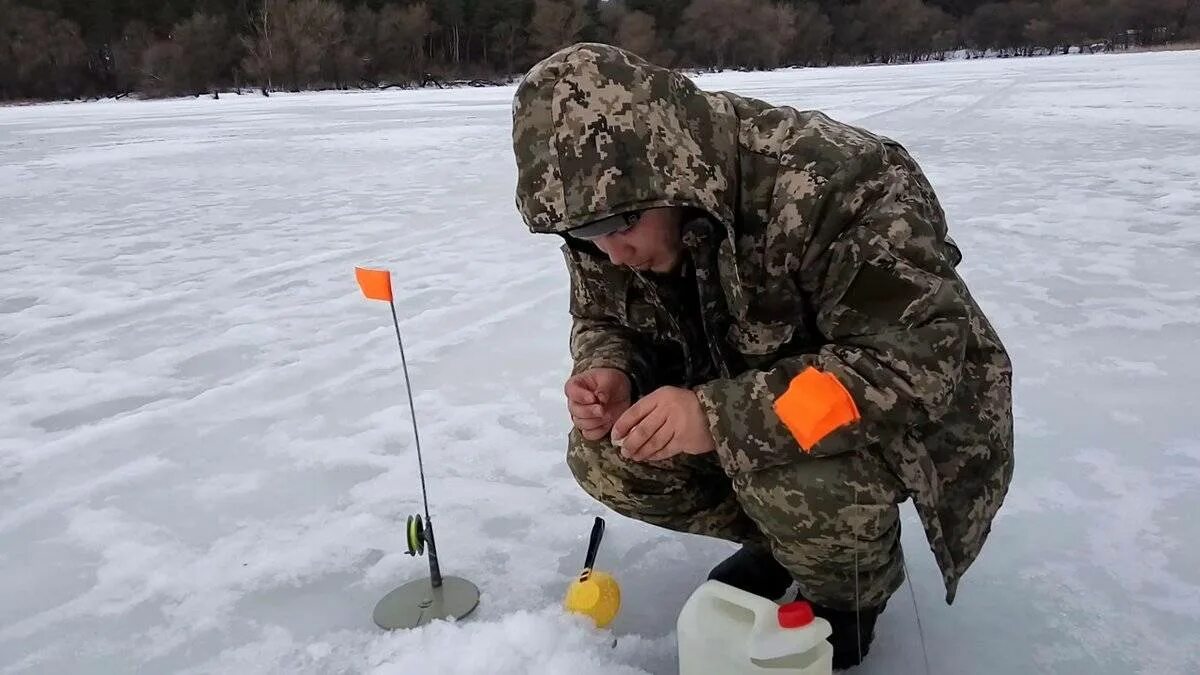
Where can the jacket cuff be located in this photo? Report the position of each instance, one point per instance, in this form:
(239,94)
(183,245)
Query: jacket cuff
(749,434)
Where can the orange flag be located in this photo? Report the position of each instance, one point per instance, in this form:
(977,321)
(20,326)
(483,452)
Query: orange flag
(375,284)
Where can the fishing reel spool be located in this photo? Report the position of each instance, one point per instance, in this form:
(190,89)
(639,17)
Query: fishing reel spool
(415,535)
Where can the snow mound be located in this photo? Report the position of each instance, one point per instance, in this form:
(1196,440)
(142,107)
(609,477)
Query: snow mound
(546,642)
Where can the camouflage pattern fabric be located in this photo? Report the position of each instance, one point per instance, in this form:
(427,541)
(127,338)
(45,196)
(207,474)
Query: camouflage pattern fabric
(814,244)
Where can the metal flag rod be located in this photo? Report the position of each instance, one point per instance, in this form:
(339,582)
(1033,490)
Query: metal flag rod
(420,601)
(435,572)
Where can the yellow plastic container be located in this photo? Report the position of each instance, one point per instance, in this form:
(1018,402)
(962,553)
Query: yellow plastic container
(596,595)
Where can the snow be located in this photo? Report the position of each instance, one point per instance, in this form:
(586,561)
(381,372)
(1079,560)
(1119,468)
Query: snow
(544,642)
(205,451)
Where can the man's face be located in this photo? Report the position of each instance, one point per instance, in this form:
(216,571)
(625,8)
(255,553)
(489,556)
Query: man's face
(653,244)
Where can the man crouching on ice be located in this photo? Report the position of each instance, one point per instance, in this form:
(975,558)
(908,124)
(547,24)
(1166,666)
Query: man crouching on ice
(771,343)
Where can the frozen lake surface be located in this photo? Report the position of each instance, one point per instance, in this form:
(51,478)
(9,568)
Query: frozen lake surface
(205,452)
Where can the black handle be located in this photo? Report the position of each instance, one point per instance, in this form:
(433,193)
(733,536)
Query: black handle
(594,544)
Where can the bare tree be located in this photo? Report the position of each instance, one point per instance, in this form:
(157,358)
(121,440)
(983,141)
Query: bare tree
(10,82)
(814,32)
(903,30)
(413,26)
(711,28)
(1040,33)
(555,24)
(373,38)
(391,44)
(41,55)
(849,34)
(943,32)
(292,42)
(767,34)
(636,32)
(260,61)
(505,37)
(609,16)
(161,67)
(1189,23)
(998,25)
(751,33)
(127,55)
(1154,20)
(1076,22)
(207,52)
(362,41)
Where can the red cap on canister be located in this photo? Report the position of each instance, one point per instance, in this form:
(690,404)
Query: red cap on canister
(795,614)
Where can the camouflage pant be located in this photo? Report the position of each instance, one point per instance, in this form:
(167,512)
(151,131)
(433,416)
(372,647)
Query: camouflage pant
(805,511)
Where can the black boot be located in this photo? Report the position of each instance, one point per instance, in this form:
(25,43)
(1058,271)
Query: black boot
(848,626)
(754,570)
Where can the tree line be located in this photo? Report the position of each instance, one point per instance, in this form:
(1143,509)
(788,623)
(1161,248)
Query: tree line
(58,49)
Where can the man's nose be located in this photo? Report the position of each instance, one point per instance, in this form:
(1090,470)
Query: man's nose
(618,253)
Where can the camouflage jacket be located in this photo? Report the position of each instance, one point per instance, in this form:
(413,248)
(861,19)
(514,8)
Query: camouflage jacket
(823,246)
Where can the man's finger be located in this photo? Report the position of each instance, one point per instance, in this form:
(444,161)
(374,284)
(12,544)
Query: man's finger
(594,434)
(581,410)
(590,423)
(577,392)
(630,418)
(659,431)
(636,443)
(668,451)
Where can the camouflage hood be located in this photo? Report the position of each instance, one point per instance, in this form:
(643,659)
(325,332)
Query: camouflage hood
(598,131)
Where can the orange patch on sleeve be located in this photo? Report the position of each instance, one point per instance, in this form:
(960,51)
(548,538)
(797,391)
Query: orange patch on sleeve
(815,404)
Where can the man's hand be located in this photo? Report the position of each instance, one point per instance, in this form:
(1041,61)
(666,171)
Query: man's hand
(595,399)
(665,423)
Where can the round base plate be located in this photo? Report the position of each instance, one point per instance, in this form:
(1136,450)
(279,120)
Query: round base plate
(418,602)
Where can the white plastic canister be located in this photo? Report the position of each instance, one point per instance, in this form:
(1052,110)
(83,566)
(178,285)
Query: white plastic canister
(723,630)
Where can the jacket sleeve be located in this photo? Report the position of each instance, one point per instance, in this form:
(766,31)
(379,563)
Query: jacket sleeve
(599,337)
(893,318)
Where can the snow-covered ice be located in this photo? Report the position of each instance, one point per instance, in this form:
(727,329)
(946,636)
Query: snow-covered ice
(205,452)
